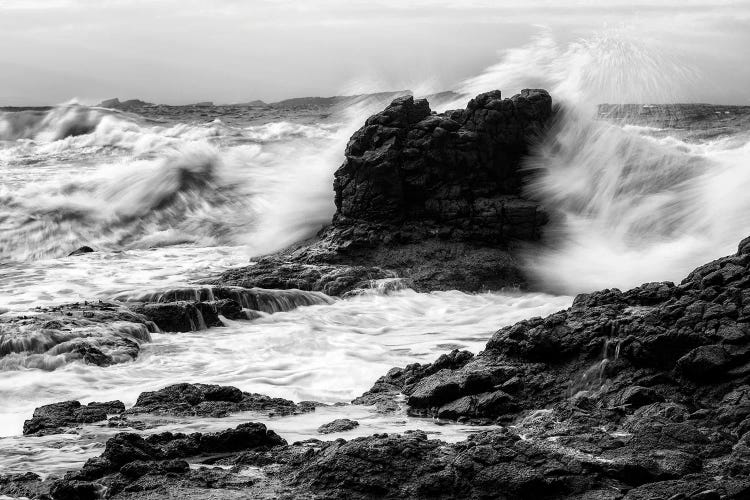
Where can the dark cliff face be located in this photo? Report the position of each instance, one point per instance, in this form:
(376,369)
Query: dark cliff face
(458,171)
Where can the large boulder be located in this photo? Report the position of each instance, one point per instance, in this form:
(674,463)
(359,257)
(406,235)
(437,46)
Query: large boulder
(434,198)
(457,173)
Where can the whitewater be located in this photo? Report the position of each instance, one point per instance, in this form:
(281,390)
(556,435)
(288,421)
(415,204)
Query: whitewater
(170,200)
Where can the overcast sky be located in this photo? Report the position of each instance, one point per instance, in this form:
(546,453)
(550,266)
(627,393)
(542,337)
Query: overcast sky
(180,51)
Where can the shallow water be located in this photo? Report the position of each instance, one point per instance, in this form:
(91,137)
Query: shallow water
(328,353)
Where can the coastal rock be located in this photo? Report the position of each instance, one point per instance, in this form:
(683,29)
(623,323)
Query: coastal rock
(662,367)
(59,417)
(127,448)
(212,401)
(458,171)
(81,251)
(338,425)
(98,333)
(435,198)
(251,462)
(275,272)
(178,308)
(26,485)
(180,316)
(176,400)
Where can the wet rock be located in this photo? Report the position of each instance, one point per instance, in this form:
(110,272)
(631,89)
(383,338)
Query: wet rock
(637,396)
(60,417)
(704,361)
(433,198)
(276,272)
(212,400)
(663,368)
(338,425)
(97,333)
(186,308)
(230,309)
(459,170)
(76,490)
(80,251)
(25,485)
(126,448)
(180,316)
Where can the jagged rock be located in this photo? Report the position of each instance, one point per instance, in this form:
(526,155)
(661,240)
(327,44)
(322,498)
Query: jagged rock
(26,485)
(338,425)
(58,417)
(458,170)
(435,198)
(126,448)
(212,400)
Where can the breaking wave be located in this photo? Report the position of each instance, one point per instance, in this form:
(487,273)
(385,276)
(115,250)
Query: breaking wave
(112,180)
(630,204)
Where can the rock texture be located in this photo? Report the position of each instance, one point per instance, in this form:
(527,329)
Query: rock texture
(642,394)
(98,333)
(177,400)
(106,333)
(212,400)
(436,198)
(338,425)
(457,173)
(61,417)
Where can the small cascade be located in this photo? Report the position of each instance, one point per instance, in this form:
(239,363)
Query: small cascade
(53,346)
(191,294)
(273,301)
(383,286)
(595,376)
(253,299)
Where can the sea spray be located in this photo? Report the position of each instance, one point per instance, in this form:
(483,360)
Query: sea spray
(628,205)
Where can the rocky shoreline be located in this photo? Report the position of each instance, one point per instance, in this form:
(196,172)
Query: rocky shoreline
(638,394)
(641,394)
(436,199)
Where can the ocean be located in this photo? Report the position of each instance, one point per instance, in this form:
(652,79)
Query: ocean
(169,196)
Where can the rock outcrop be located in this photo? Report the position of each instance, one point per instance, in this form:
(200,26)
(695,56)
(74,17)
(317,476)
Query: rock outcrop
(61,417)
(177,400)
(106,333)
(99,333)
(212,400)
(436,198)
(635,395)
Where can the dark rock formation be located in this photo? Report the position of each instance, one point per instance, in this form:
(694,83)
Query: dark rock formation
(80,251)
(98,333)
(104,333)
(176,400)
(180,316)
(61,417)
(436,198)
(128,457)
(194,308)
(653,381)
(338,425)
(458,172)
(26,485)
(212,400)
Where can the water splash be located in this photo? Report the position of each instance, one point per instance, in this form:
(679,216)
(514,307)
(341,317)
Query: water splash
(629,205)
